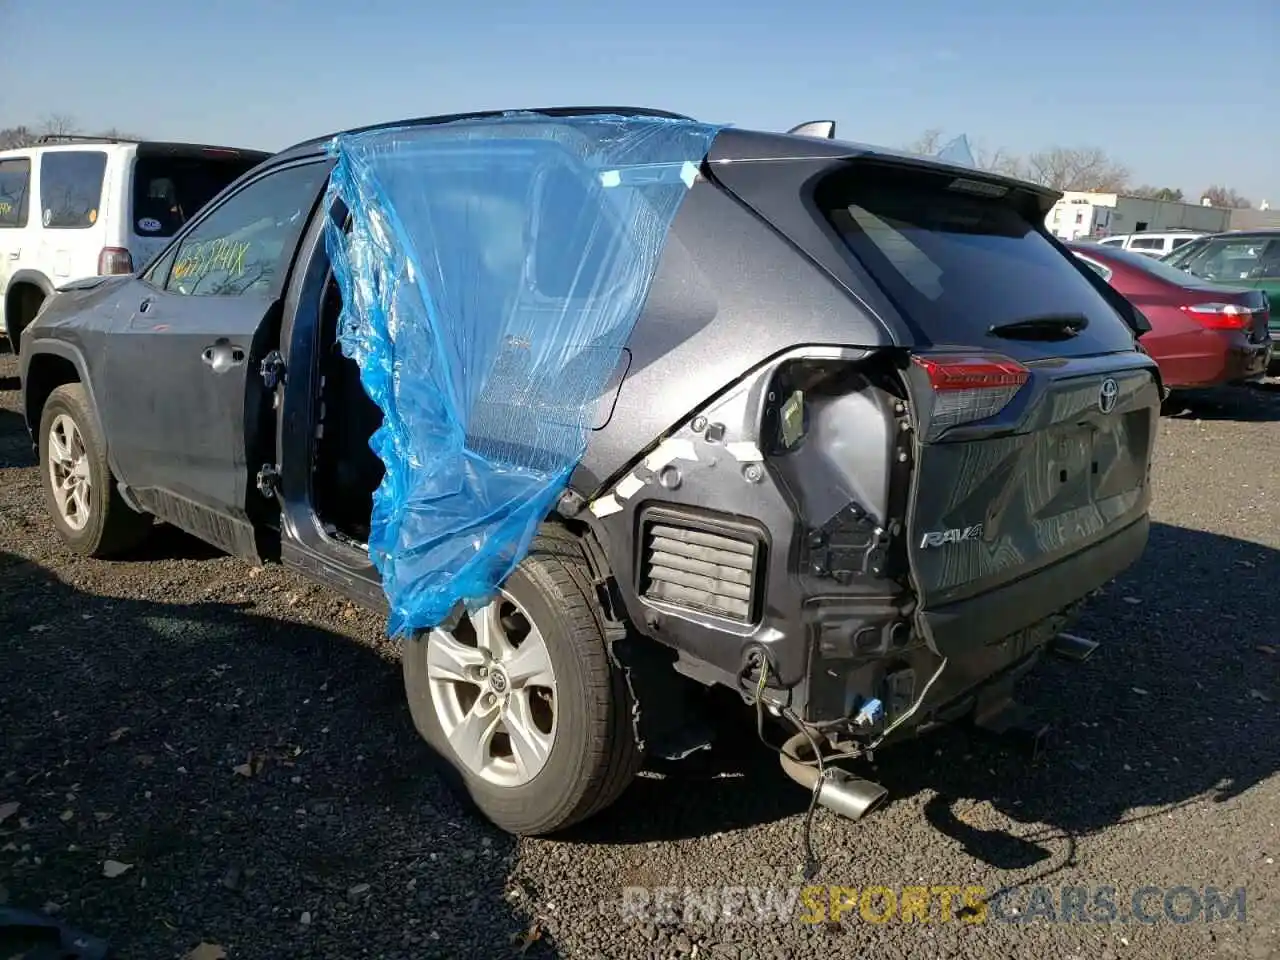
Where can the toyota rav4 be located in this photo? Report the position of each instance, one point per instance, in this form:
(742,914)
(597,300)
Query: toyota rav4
(875,437)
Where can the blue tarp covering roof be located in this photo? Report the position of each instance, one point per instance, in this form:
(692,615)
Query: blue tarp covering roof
(492,271)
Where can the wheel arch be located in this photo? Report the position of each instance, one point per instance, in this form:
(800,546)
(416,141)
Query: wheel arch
(19,284)
(50,365)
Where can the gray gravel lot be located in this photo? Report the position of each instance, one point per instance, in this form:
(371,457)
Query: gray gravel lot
(238,738)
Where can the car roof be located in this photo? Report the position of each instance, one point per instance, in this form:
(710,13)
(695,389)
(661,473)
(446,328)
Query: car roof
(733,144)
(151,146)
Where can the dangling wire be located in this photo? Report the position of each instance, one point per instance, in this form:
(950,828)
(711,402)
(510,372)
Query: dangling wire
(812,863)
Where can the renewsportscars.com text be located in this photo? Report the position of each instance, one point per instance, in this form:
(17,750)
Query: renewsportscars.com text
(941,903)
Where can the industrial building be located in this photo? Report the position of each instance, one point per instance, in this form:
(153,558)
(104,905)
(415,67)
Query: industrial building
(1092,215)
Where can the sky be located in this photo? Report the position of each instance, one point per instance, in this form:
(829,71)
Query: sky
(1180,91)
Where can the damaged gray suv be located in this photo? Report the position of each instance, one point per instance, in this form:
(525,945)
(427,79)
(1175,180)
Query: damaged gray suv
(875,437)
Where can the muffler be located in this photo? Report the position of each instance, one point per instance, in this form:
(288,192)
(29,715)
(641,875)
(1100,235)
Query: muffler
(840,792)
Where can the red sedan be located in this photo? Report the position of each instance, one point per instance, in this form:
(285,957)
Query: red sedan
(1201,335)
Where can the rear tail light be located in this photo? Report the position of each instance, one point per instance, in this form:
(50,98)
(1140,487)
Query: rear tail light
(1220,316)
(113,260)
(969,387)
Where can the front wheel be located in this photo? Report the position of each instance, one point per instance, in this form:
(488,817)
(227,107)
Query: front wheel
(87,509)
(522,700)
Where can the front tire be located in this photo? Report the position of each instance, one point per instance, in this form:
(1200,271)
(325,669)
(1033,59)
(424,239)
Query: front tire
(522,700)
(87,509)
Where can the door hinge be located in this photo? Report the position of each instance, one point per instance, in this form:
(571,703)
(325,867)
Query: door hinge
(269,480)
(272,369)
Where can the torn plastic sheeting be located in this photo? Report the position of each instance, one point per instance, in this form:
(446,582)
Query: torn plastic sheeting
(958,152)
(492,271)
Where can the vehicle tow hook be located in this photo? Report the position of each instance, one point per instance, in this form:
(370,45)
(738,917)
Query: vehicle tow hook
(841,792)
(1067,646)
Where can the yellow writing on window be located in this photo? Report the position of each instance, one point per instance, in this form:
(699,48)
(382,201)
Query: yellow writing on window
(6,208)
(212,256)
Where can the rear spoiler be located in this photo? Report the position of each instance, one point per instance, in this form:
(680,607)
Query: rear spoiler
(822,129)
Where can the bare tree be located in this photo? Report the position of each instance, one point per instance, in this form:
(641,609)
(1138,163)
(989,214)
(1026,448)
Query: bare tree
(999,160)
(1156,193)
(1081,168)
(13,137)
(1226,197)
(58,125)
(927,144)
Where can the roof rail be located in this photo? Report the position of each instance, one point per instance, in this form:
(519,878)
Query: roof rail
(82,138)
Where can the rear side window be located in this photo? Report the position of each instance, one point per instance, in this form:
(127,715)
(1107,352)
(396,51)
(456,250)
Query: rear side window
(169,190)
(71,188)
(15,187)
(245,244)
(1147,243)
(1179,241)
(956,264)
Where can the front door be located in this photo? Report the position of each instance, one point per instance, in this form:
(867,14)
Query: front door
(186,414)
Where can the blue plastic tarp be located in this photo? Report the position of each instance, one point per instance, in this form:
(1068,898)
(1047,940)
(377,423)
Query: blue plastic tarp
(958,152)
(492,271)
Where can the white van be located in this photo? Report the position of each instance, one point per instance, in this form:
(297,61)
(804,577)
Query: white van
(74,207)
(1152,244)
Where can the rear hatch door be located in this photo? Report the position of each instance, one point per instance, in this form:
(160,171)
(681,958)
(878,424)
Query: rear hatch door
(1034,411)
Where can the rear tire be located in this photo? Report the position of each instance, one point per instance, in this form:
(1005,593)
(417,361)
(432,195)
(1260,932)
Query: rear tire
(592,756)
(87,510)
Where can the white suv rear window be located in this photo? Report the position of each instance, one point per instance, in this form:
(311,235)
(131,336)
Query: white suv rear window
(169,189)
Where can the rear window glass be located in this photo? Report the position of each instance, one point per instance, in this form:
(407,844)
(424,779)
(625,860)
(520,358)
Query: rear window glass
(169,190)
(1147,243)
(71,187)
(15,184)
(955,264)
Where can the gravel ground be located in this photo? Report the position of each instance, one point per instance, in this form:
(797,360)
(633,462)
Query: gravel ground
(238,738)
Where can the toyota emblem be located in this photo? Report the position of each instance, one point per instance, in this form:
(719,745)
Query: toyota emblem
(1107,395)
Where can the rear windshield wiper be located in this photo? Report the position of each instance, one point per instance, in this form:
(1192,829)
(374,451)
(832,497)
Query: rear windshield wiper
(1054,326)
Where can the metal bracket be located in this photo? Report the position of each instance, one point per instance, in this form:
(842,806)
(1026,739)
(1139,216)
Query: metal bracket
(272,369)
(269,480)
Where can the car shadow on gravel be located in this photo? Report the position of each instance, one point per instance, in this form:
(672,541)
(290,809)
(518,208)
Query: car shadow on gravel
(1243,403)
(247,781)
(1176,707)
(15,442)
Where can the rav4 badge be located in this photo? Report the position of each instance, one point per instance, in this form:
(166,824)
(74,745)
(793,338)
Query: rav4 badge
(939,538)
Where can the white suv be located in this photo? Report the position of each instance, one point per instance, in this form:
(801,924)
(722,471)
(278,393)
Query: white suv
(75,207)
(1152,244)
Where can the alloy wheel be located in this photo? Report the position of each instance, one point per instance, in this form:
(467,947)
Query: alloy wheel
(69,473)
(494,692)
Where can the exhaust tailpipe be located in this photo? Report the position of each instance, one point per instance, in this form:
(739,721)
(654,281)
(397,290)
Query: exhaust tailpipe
(1067,646)
(841,792)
